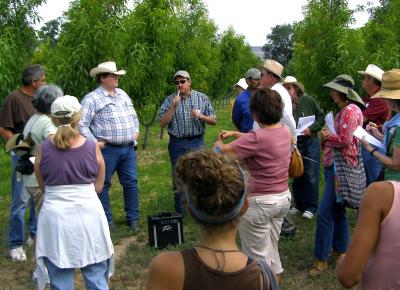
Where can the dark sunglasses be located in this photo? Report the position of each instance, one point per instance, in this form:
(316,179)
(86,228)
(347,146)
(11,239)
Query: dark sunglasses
(180,82)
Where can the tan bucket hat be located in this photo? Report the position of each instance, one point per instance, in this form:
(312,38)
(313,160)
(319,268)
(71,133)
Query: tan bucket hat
(292,80)
(390,85)
(273,67)
(374,71)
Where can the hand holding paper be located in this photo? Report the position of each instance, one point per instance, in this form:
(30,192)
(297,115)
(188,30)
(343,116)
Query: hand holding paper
(304,123)
(330,123)
(360,133)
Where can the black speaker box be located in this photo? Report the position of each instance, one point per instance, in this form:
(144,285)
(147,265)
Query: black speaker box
(165,229)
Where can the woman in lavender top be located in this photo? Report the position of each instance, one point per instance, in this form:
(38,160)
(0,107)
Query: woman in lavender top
(72,228)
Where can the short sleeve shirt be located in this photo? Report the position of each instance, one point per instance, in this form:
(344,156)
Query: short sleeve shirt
(266,153)
(183,124)
(17,109)
(40,126)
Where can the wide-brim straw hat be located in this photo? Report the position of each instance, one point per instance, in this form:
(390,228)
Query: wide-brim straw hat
(106,67)
(373,71)
(390,85)
(16,142)
(292,80)
(273,67)
(344,84)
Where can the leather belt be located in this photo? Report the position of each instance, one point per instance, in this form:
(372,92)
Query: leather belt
(187,137)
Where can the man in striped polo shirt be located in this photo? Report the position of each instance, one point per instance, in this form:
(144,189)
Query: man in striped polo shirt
(186,113)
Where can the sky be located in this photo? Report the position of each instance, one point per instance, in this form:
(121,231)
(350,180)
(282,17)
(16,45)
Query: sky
(251,18)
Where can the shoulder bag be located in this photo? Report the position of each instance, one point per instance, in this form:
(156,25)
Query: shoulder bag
(350,181)
(296,167)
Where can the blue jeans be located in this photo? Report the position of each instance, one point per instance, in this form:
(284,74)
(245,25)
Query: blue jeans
(123,160)
(332,226)
(372,166)
(176,148)
(17,210)
(95,276)
(306,187)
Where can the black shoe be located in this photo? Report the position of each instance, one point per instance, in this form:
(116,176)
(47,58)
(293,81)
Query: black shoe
(134,226)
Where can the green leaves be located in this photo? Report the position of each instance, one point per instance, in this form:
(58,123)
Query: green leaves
(279,44)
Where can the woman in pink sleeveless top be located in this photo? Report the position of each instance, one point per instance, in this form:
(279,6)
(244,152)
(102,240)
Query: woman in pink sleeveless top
(373,254)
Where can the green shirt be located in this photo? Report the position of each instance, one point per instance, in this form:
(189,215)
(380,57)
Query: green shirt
(307,106)
(391,174)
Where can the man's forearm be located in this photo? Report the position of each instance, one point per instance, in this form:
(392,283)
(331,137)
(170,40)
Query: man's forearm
(5,133)
(209,120)
(167,117)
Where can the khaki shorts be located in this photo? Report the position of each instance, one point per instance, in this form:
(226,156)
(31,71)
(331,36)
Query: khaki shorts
(260,227)
(37,196)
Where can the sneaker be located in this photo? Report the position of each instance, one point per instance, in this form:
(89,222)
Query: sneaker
(18,254)
(318,268)
(308,215)
(29,241)
(294,211)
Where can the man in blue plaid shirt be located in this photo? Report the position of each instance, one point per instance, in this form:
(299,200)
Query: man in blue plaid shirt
(186,113)
(110,119)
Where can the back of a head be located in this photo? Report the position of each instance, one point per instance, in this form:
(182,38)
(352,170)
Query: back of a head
(45,96)
(215,187)
(267,106)
(32,72)
(65,114)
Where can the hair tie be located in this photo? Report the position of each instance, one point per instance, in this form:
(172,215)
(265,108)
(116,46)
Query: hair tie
(205,217)
(64,125)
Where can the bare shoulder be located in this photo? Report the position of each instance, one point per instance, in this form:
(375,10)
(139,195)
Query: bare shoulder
(166,272)
(379,195)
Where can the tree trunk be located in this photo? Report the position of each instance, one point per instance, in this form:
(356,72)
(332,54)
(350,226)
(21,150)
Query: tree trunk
(148,125)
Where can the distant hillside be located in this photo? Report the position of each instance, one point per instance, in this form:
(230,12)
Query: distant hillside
(258,51)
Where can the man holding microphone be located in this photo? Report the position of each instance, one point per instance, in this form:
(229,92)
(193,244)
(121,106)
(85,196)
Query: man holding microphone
(186,113)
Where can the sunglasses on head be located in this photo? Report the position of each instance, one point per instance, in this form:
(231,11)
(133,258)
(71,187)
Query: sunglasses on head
(180,82)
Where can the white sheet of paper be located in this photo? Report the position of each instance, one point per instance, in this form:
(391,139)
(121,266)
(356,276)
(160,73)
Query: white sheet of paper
(361,133)
(330,123)
(255,125)
(304,123)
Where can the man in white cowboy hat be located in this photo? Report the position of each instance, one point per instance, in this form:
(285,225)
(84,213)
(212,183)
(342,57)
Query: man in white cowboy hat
(17,109)
(241,116)
(306,187)
(186,114)
(110,118)
(271,77)
(377,112)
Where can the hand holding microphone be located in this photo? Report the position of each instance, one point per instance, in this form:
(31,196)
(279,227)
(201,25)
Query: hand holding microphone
(176,99)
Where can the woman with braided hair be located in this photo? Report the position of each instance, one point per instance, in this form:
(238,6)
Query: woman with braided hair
(216,189)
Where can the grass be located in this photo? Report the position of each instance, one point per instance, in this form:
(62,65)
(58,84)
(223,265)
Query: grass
(156,196)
